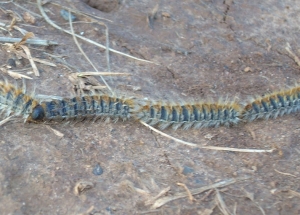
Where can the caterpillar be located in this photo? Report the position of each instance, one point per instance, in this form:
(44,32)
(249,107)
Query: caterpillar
(273,105)
(196,115)
(86,107)
(14,101)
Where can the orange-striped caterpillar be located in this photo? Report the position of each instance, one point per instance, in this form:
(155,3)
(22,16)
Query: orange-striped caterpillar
(196,115)
(14,101)
(273,105)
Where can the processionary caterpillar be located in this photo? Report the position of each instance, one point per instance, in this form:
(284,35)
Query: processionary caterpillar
(15,101)
(273,105)
(86,107)
(188,115)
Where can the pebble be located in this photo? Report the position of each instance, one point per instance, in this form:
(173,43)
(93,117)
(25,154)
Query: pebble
(65,15)
(97,170)
(187,170)
(11,62)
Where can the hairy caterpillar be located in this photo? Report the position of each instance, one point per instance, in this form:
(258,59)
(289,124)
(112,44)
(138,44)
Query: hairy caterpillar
(85,107)
(14,101)
(273,105)
(195,115)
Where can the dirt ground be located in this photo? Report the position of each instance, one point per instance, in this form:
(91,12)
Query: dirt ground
(202,49)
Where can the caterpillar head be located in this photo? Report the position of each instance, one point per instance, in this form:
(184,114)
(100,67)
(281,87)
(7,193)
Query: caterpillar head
(38,113)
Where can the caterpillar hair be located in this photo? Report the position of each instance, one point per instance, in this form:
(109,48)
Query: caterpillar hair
(273,105)
(86,107)
(14,101)
(196,115)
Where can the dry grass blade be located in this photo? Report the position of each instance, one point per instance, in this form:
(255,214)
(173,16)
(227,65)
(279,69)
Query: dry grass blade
(207,147)
(294,193)
(29,41)
(2,122)
(14,27)
(237,150)
(23,40)
(44,62)
(161,201)
(14,75)
(83,74)
(83,38)
(6,2)
(83,53)
(67,65)
(283,173)
(168,136)
(56,132)
(29,57)
(251,197)
(191,198)
(23,8)
(295,58)
(19,45)
(79,12)
(221,204)
(152,200)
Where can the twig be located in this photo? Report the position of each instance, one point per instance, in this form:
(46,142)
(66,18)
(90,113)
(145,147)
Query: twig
(86,57)
(81,37)
(207,147)
(28,41)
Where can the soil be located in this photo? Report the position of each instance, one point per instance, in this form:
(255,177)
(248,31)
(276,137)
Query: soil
(203,49)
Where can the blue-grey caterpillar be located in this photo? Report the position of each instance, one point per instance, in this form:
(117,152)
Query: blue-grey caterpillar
(14,101)
(273,105)
(86,107)
(196,115)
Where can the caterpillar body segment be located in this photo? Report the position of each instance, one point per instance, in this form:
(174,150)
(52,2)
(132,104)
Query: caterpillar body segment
(189,115)
(273,105)
(14,101)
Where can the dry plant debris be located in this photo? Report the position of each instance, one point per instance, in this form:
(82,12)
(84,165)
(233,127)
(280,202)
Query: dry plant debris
(81,37)
(82,186)
(163,200)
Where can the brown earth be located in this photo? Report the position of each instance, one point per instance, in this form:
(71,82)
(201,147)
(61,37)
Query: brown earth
(204,49)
